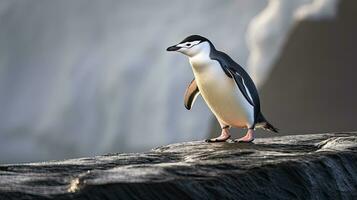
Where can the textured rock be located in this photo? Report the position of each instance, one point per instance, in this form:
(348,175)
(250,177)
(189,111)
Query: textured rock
(319,166)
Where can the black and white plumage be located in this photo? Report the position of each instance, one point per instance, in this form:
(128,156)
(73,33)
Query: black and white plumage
(225,86)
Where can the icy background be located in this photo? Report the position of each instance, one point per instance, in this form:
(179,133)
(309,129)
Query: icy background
(80,78)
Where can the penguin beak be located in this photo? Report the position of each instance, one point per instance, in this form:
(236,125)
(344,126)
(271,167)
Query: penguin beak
(173,48)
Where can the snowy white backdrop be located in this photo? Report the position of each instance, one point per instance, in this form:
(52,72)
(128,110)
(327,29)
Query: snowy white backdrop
(80,78)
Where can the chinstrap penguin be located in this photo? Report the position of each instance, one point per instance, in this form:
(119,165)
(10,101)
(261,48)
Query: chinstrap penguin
(225,86)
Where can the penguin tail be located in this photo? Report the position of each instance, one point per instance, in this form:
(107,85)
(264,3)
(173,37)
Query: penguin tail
(269,127)
(263,123)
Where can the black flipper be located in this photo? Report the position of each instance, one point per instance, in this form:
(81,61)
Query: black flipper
(191,93)
(240,83)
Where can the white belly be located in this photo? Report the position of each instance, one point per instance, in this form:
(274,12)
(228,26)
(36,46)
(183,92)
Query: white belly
(222,95)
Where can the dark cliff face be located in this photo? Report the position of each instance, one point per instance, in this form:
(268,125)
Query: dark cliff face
(321,166)
(312,87)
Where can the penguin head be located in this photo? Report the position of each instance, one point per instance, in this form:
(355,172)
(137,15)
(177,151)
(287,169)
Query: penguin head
(192,45)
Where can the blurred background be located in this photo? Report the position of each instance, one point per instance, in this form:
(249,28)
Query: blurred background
(83,78)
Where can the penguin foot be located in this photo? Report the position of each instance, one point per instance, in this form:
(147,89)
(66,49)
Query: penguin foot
(248,138)
(241,140)
(218,139)
(223,137)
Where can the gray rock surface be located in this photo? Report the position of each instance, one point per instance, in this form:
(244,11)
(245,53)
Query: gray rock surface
(318,166)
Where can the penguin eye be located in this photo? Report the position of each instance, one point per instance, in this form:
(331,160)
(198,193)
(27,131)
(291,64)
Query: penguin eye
(188,44)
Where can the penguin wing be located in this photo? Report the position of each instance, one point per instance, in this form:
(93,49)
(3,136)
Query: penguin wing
(241,85)
(191,94)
